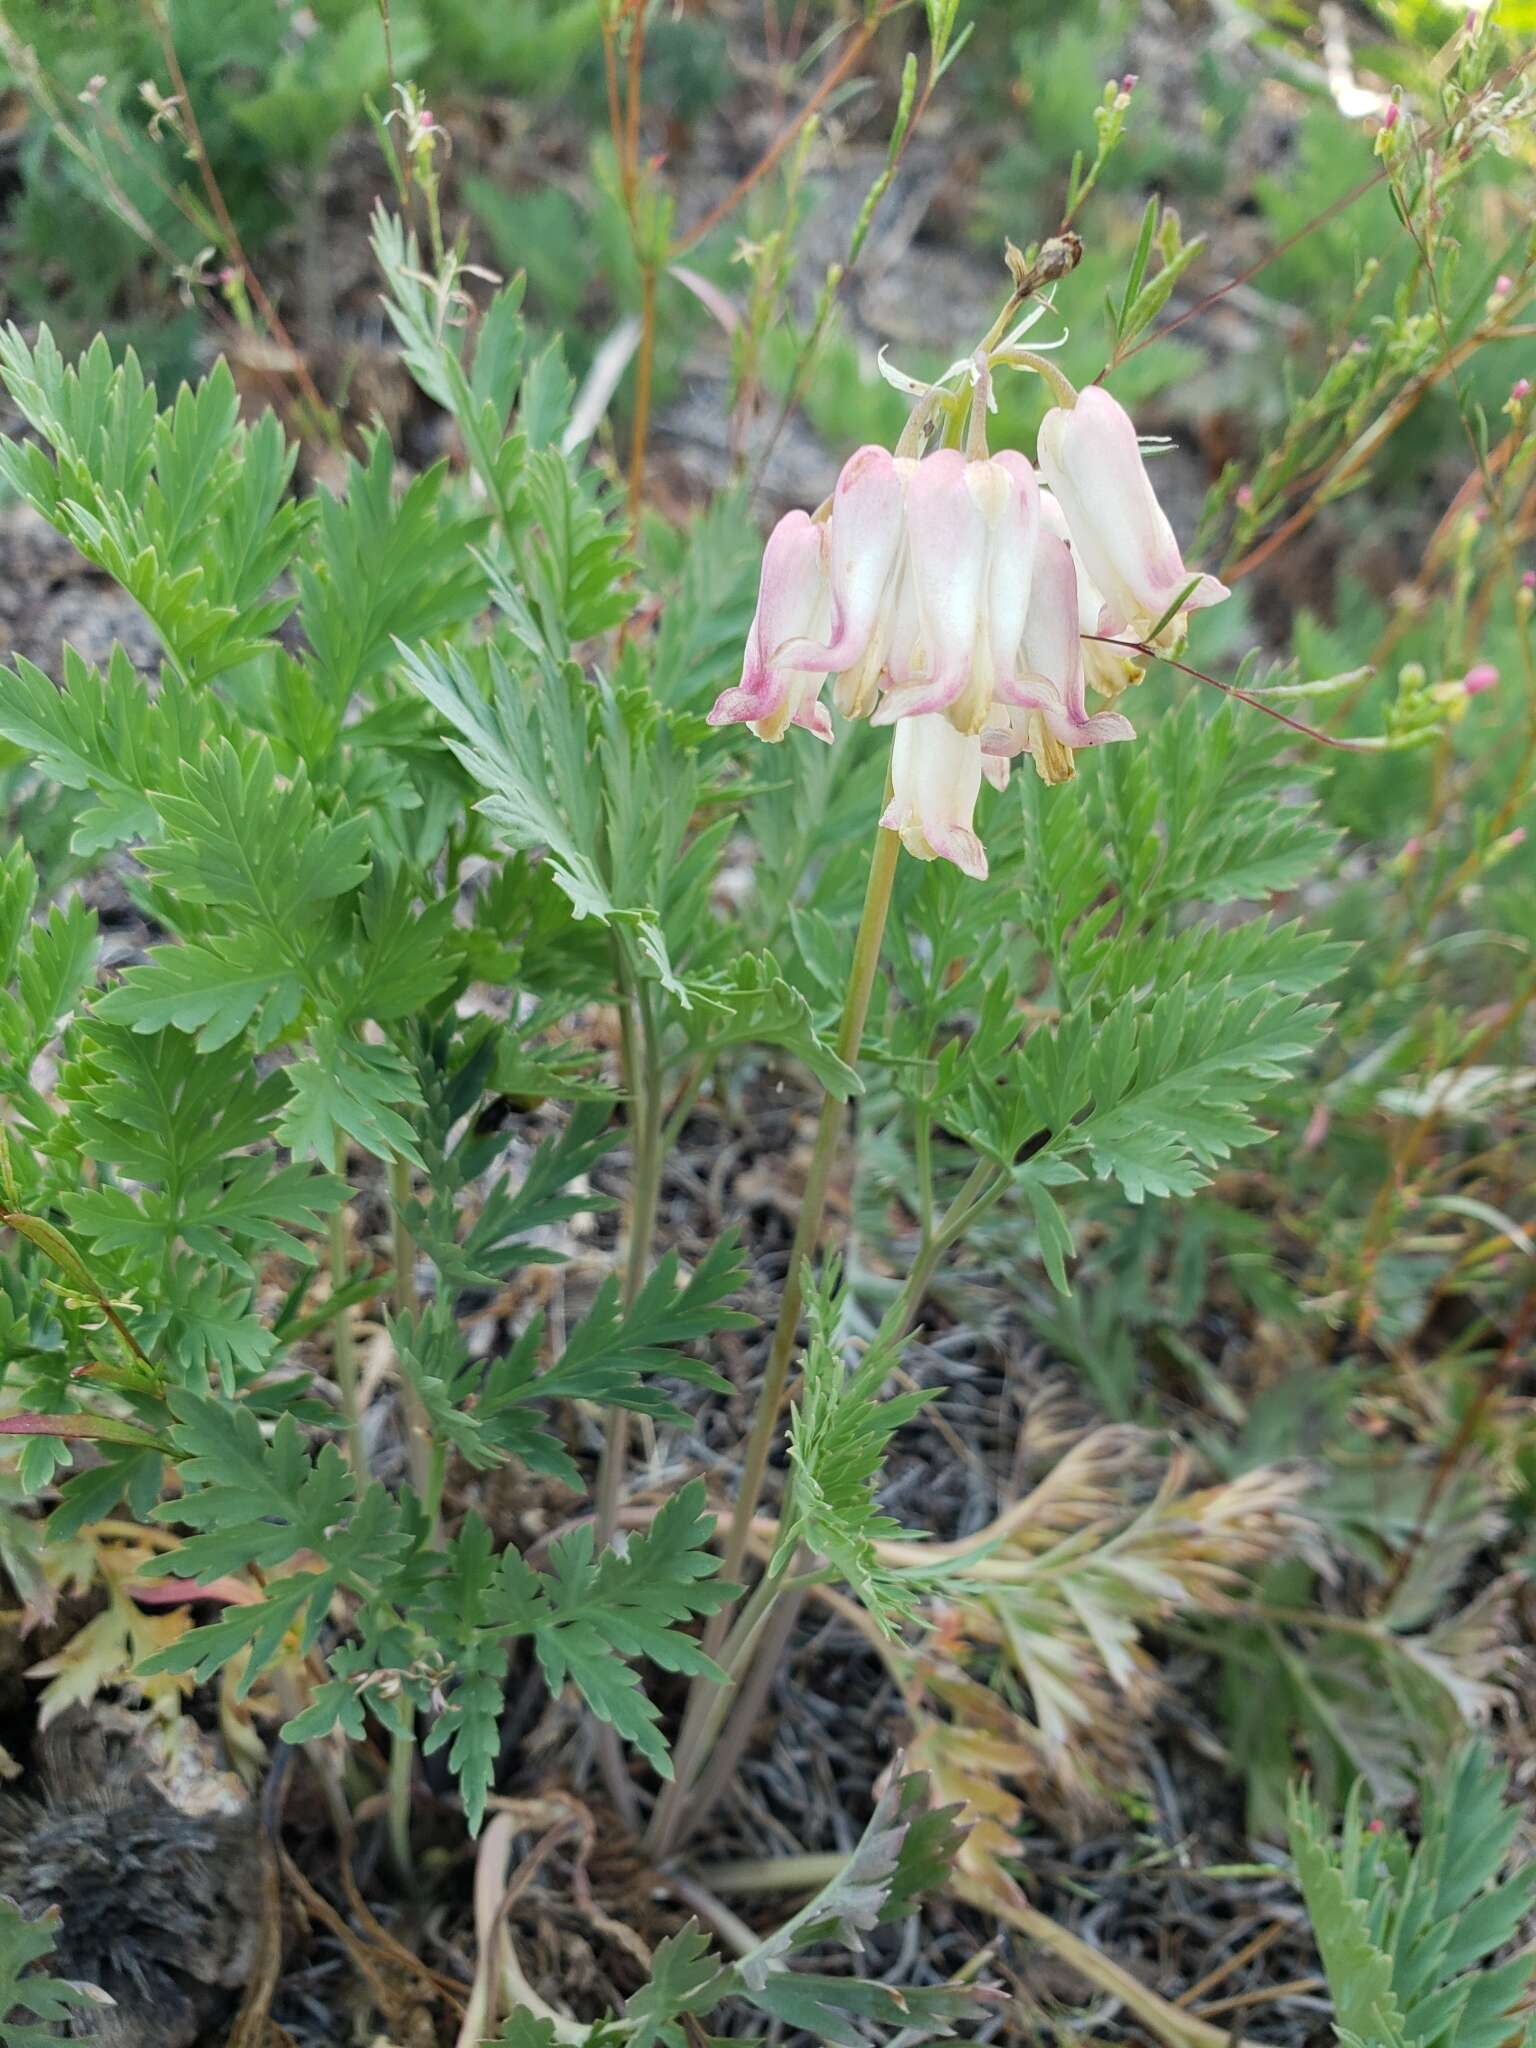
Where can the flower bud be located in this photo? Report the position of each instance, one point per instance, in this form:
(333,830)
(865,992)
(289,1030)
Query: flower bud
(1093,463)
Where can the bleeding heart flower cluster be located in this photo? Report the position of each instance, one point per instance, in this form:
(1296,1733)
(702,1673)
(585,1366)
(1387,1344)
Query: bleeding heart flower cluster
(950,596)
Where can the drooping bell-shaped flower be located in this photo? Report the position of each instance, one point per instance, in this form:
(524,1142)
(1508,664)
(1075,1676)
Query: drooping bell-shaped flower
(954,600)
(971,533)
(930,567)
(1092,460)
(794,605)
(1047,709)
(1106,669)
(935,779)
(866,533)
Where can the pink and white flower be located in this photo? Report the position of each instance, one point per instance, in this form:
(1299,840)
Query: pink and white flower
(935,780)
(918,583)
(971,534)
(866,537)
(794,602)
(1093,463)
(1047,709)
(1108,670)
(955,601)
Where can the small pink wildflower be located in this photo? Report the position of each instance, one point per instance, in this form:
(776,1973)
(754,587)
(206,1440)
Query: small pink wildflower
(1245,495)
(1482,676)
(1520,390)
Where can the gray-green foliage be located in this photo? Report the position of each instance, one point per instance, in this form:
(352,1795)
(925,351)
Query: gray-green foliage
(393,750)
(904,1852)
(1165,1023)
(1409,1933)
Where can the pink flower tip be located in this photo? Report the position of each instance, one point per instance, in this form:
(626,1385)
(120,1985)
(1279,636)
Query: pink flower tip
(1503,284)
(1390,118)
(1130,81)
(1413,847)
(1245,495)
(1520,389)
(1484,676)
(1528,580)
(1515,838)
(1374,1827)
(426,118)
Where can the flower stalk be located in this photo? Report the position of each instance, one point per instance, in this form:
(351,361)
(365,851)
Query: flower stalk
(706,1707)
(343,1355)
(640,1060)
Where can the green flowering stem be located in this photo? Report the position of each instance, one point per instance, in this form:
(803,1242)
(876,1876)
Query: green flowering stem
(640,1058)
(866,957)
(702,1716)
(1063,390)
(419,1447)
(734,1657)
(640,1054)
(397,1803)
(343,1356)
(734,1712)
(427,1460)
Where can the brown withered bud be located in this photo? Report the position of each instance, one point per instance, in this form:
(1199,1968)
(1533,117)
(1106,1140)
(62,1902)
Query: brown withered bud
(1059,256)
(1055,258)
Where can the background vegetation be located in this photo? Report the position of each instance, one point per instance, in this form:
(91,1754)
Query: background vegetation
(388,950)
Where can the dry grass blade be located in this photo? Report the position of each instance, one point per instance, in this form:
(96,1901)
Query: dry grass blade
(1059,1598)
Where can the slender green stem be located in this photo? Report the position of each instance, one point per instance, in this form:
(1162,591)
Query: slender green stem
(723,1745)
(1062,390)
(985,1183)
(432,1490)
(419,1447)
(765,1423)
(736,1653)
(428,1462)
(640,1048)
(343,1357)
(922,1147)
(402,1762)
(769,1648)
(701,1717)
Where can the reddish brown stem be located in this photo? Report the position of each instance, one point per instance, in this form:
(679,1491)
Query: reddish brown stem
(230,235)
(1310,732)
(783,141)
